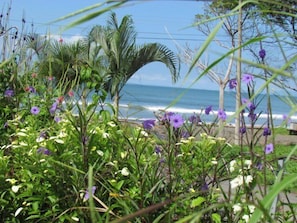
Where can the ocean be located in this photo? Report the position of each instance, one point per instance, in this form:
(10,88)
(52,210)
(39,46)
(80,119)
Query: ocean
(141,102)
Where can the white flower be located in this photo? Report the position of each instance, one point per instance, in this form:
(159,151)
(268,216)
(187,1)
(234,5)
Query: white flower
(15,188)
(21,134)
(40,139)
(18,211)
(184,141)
(251,208)
(12,181)
(246,218)
(105,135)
(248,163)
(75,218)
(232,165)
(62,134)
(214,161)
(125,171)
(100,153)
(248,179)
(60,141)
(144,133)
(124,154)
(111,124)
(191,190)
(236,208)
(236,182)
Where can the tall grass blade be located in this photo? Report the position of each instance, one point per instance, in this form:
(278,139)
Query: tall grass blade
(89,16)
(268,199)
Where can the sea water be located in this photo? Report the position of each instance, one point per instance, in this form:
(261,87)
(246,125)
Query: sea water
(143,102)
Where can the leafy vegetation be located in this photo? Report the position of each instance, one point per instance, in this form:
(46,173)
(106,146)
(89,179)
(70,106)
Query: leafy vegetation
(66,157)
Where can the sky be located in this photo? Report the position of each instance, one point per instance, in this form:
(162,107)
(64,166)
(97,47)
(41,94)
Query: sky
(163,21)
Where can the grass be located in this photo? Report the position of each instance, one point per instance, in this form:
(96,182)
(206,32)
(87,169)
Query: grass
(281,131)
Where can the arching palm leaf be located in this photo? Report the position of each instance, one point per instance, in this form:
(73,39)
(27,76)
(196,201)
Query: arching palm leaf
(125,58)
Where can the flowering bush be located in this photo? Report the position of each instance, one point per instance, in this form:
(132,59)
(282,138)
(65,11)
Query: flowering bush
(65,157)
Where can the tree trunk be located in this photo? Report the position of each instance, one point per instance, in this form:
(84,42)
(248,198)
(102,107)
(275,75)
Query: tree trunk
(238,78)
(116,103)
(221,106)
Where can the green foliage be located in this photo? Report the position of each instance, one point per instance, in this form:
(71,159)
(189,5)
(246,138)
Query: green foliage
(70,159)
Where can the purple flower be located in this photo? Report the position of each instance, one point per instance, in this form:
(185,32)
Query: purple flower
(148,124)
(9,93)
(266,131)
(43,134)
(208,110)
(222,114)
(286,118)
(44,151)
(35,110)
(251,106)
(242,130)
(5,125)
(53,108)
(167,116)
(262,53)
(30,89)
(247,78)
(252,116)
(87,195)
(269,148)
(204,187)
(232,83)
(57,119)
(185,134)
(245,101)
(176,120)
(259,166)
(158,150)
(194,119)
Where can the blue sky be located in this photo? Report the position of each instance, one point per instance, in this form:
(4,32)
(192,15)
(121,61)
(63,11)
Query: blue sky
(155,21)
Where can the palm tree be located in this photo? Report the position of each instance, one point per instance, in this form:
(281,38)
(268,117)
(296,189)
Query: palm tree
(124,58)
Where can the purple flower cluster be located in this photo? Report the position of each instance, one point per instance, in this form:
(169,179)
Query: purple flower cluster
(208,110)
(176,120)
(53,108)
(247,78)
(269,148)
(9,93)
(35,110)
(30,89)
(44,151)
(87,195)
(222,115)
(242,130)
(232,83)
(251,107)
(266,131)
(194,119)
(148,124)
(262,54)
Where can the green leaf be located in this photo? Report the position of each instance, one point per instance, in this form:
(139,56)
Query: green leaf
(216,217)
(197,202)
(268,199)
(90,15)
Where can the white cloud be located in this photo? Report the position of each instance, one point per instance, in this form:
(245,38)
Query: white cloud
(65,39)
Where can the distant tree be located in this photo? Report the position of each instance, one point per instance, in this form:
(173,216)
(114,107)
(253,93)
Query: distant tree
(282,13)
(279,12)
(123,57)
(223,74)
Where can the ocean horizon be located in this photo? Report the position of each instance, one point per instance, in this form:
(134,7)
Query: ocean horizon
(140,102)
